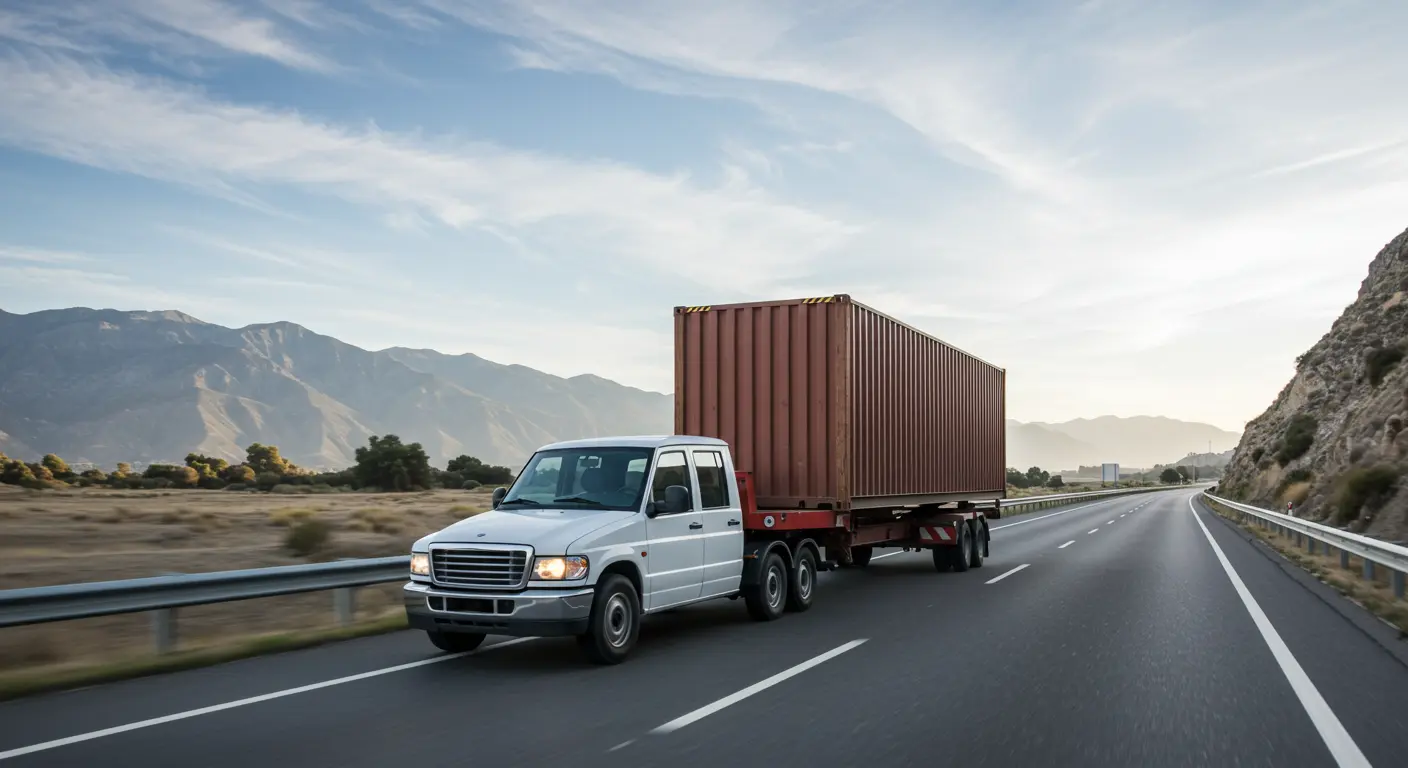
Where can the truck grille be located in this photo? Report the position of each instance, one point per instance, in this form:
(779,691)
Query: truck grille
(486,568)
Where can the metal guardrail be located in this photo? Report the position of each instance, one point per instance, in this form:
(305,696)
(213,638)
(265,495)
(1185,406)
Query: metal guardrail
(1372,552)
(163,595)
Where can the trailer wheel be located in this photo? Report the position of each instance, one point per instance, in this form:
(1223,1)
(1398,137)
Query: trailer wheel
(957,557)
(767,599)
(980,544)
(860,556)
(455,642)
(615,621)
(802,585)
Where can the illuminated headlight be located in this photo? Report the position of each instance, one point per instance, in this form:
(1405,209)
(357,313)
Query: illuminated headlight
(420,564)
(560,568)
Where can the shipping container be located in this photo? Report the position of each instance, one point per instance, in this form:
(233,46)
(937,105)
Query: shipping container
(832,405)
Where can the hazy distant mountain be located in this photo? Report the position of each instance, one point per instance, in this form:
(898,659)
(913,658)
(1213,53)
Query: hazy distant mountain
(107,386)
(1137,441)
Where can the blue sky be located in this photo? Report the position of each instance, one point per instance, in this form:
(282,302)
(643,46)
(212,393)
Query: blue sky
(1110,199)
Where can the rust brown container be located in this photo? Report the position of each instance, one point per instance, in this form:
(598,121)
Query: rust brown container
(833,405)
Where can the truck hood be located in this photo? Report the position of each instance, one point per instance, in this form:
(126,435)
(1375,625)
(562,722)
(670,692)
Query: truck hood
(548,531)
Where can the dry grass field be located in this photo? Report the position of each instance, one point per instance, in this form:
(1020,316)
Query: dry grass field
(61,537)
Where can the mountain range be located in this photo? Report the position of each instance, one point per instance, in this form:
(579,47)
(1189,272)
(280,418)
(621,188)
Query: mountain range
(102,386)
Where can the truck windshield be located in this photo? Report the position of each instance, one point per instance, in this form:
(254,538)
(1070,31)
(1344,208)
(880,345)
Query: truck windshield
(595,478)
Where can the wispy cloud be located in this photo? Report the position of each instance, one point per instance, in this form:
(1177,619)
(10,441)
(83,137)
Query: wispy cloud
(123,122)
(41,255)
(181,28)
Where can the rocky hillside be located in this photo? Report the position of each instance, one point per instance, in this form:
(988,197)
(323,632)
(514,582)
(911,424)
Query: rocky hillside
(1334,442)
(104,386)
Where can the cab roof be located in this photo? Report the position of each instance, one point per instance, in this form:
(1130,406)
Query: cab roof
(635,441)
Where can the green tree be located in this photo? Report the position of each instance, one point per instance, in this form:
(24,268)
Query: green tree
(56,466)
(1037,477)
(184,477)
(389,464)
(238,473)
(265,458)
(471,468)
(1183,473)
(1170,476)
(1055,482)
(207,466)
(15,472)
(1016,478)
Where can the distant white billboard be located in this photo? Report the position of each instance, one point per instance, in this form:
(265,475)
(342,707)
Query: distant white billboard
(1109,473)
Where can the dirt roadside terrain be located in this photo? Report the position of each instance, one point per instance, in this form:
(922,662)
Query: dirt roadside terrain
(65,537)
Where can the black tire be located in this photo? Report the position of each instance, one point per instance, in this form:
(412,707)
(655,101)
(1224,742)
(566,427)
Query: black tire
(615,621)
(801,588)
(455,642)
(861,555)
(963,553)
(768,598)
(980,544)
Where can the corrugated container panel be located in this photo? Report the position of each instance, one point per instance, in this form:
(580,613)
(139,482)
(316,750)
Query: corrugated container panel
(829,402)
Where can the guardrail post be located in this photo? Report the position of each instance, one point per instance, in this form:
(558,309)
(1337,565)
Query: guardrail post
(1310,545)
(1344,559)
(344,604)
(1368,569)
(164,629)
(1398,584)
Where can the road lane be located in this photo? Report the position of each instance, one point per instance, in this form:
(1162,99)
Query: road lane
(1132,649)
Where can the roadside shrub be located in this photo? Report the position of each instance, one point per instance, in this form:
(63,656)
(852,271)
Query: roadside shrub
(308,537)
(1300,435)
(238,473)
(470,485)
(1379,362)
(154,483)
(266,481)
(1364,488)
(236,487)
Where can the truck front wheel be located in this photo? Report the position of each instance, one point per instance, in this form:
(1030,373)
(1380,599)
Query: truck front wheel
(455,642)
(615,621)
(768,597)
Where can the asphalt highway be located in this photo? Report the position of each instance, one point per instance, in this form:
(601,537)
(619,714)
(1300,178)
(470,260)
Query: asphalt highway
(1136,631)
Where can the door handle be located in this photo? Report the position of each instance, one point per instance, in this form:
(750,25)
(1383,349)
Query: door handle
(695,526)
(733,522)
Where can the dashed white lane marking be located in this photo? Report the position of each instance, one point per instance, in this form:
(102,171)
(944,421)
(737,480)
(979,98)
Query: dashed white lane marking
(1124,514)
(622,745)
(245,702)
(1110,522)
(1009,573)
(731,699)
(887,554)
(1340,743)
(1067,544)
(1092,530)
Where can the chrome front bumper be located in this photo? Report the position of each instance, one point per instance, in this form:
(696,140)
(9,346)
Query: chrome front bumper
(532,613)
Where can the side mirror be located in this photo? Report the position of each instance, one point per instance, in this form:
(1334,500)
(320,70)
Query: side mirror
(676,500)
(499,494)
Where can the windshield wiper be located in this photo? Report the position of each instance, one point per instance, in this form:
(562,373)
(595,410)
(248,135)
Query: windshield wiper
(534,502)
(576,500)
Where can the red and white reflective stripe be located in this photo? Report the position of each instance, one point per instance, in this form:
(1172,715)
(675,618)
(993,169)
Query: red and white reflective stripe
(934,533)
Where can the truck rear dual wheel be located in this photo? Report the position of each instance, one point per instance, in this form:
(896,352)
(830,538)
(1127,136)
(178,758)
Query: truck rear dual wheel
(958,557)
(614,624)
(802,585)
(768,598)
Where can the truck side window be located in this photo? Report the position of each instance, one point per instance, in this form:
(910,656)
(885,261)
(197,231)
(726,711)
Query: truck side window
(670,469)
(713,491)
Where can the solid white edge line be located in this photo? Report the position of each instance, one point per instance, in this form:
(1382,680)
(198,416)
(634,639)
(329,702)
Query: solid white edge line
(244,702)
(1067,544)
(1336,738)
(887,554)
(1009,573)
(734,698)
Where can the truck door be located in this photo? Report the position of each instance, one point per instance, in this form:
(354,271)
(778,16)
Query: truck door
(723,523)
(675,543)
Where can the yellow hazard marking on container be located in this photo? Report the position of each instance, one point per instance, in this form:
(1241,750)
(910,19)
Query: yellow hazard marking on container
(819,300)
(698,309)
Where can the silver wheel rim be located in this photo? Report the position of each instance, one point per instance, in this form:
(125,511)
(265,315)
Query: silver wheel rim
(774,586)
(804,580)
(618,620)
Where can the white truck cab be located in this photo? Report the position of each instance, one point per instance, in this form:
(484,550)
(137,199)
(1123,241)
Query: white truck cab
(593,535)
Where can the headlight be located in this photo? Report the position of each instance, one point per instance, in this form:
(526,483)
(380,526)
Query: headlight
(560,568)
(420,564)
